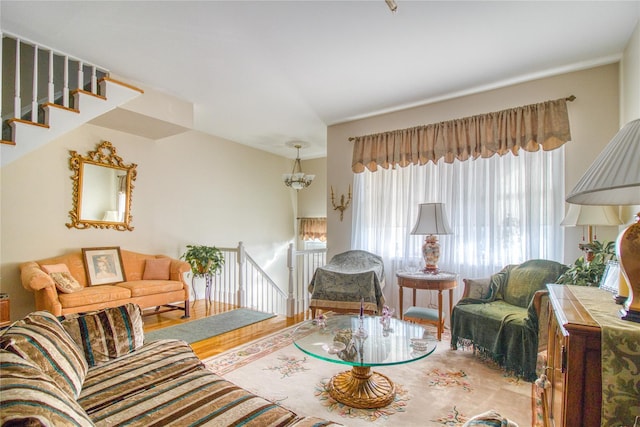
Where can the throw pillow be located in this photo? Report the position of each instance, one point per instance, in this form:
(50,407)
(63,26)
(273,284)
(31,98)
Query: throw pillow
(106,334)
(478,288)
(156,269)
(31,397)
(65,282)
(55,268)
(41,339)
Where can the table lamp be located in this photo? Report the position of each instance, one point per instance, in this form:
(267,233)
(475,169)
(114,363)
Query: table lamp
(590,217)
(614,179)
(432,220)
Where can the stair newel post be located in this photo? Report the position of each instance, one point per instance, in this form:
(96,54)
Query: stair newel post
(65,89)
(34,93)
(50,86)
(17,103)
(291,303)
(241,279)
(94,81)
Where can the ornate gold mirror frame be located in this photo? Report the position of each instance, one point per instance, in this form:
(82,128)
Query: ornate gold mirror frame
(102,189)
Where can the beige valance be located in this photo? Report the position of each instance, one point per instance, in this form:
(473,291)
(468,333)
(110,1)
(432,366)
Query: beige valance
(544,124)
(313,229)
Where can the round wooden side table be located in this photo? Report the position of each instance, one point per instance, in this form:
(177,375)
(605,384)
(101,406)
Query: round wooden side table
(434,282)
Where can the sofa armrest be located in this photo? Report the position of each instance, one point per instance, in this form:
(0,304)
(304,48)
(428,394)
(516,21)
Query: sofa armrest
(540,304)
(177,268)
(479,289)
(33,278)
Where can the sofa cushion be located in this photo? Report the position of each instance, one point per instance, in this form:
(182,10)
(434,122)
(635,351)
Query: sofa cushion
(30,397)
(139,288)
(106,334)
(41,339)
(74,262)
(55,268)
(150,365)
(94,295)
(197,398)
(156,269)
(65,282)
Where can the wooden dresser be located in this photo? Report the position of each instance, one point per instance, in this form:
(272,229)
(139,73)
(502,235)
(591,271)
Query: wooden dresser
(574,363)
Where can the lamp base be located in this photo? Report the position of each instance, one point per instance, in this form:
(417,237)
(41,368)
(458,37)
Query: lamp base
(620,299)
(630,315)
(431,253)
(628,251)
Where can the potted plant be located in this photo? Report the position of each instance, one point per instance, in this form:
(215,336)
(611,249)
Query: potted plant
(204,260)
(589,273)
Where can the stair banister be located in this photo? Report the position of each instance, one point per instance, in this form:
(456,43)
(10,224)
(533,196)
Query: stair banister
(94,80)
(241,279)
(80,75)
(290,298)
(34,92)
(50,85)
(17,102)
(65,83)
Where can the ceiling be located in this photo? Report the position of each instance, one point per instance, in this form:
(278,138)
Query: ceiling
(265,73)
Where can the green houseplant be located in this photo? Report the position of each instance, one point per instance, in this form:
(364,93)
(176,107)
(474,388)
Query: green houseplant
(589,273)
(204,260)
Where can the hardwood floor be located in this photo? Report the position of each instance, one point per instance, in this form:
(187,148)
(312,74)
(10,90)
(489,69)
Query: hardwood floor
(220,343)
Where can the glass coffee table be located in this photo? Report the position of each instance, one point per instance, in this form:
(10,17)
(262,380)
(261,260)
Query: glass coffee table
(363,343)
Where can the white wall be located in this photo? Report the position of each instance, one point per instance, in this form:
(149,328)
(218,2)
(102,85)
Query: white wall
(190,189)
(630,79)
(594,119)
(312,200)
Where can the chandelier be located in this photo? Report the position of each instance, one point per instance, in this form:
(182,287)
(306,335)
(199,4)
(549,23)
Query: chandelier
(297,179)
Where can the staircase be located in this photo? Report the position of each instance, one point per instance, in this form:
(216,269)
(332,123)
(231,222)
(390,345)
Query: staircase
(42,99)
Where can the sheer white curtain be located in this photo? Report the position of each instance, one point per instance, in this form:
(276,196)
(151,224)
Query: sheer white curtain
(502,210)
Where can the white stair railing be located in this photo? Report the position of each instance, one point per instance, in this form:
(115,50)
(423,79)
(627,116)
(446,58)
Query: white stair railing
(302,264)
(45,81)
(243,283)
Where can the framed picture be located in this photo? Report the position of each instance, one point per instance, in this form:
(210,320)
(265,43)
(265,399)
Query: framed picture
(103,265)
(611,277)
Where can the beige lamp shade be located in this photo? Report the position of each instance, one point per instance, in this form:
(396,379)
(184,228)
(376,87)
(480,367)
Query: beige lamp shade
(591,215)
(432,219)
(614,177)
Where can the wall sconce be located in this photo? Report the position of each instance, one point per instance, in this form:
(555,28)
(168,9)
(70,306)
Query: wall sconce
(343,204)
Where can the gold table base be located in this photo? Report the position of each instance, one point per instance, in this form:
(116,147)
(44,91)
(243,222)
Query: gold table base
(362,388)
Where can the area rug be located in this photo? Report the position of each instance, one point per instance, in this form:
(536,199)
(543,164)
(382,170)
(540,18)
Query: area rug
(444,389)
(197,330)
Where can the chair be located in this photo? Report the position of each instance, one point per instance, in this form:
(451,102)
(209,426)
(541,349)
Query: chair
(504,317)
(348,280)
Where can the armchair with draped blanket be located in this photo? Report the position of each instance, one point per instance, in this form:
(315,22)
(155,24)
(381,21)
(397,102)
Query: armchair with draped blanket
(348,280)
(504,317)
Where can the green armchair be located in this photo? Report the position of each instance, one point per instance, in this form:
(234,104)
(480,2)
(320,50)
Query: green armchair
(504,317)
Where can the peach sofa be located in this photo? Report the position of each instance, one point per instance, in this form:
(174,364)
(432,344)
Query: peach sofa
(171,294)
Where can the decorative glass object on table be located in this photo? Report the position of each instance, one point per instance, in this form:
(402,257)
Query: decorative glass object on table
(385,319)
(362,387)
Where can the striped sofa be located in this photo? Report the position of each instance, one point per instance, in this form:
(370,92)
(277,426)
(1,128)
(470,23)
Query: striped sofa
(94,369)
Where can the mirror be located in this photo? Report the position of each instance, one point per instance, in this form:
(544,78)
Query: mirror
(102,187)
